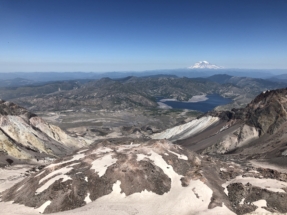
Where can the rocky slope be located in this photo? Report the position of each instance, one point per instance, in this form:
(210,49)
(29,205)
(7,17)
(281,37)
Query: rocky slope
(125,176)
(256,130)
(154,177)
(186,130)
(24,135)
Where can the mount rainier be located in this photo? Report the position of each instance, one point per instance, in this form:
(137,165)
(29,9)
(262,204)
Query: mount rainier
(204,65)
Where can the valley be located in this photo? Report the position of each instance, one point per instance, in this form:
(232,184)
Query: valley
(71,147)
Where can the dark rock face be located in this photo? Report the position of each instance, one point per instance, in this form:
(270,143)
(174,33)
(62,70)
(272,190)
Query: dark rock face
(241,196)
(90,174)
(9,108)
(268,110)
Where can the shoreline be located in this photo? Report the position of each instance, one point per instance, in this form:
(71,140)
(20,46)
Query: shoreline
(194,99)
(162,105)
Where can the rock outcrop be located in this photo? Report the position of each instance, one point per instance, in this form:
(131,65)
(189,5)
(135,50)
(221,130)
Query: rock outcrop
(24,135)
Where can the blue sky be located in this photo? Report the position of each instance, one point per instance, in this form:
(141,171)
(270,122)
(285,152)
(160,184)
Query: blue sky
(136,35)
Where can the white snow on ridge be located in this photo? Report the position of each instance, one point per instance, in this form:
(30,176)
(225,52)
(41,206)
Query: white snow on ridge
(160,162)
(42,208)
(20,188)
(75,157)
(54,176)
(183,157)
(80,152)
(101,165)
(260,204)
(186,130)
(193,199)
(87,199)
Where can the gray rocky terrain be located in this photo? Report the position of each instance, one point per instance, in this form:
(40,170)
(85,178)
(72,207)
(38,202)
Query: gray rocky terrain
(124,175)
(25,136)
(138,159)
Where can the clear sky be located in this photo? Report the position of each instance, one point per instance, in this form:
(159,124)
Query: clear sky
(125,35)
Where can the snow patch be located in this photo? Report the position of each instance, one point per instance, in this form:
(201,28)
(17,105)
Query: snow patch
(102,150)
(184,200)
(223,170)
(79,152)
(260,204)
(42,208)
(54,176)
(20,188)
(101,165)
(183,157)
(87,199)
(75,157)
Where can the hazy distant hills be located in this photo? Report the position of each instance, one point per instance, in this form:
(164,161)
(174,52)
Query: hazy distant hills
(256,84)
(16,82)
(279,78)
(183,72)
(38,89)
(133,92)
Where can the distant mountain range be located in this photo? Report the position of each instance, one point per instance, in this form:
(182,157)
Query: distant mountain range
(200,69)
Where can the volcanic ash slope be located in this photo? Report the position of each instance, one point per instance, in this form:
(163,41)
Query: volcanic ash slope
(24,135)
(155,177)
(188,129)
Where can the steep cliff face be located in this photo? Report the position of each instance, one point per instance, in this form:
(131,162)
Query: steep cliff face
(268,110)
(24,135)
(234,140)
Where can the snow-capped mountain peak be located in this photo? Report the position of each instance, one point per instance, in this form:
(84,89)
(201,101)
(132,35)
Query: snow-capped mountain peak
(204,65)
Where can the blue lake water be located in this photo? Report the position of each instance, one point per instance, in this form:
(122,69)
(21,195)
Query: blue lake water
(213,101)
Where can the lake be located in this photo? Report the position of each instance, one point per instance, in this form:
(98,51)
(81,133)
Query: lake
(213,101)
